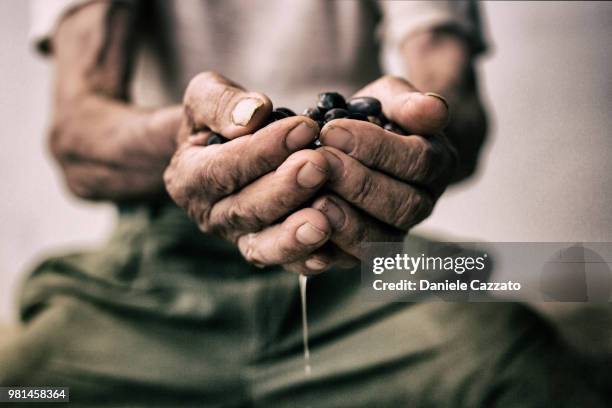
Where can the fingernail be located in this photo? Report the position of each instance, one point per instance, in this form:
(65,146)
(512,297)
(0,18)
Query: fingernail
(315,264)
(300,136)
(334,214)
(308,234)
(440,97)
(310,175)
(339,138)
(244,111)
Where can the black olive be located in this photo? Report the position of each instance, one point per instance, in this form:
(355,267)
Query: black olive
(395,128)
(365,104)
(357,116)
(336,113)
(287,111)
(314,113)
(331,100)
(215,138)
(277,115)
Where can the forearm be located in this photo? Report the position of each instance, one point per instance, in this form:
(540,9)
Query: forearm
(108,149)
(440,61)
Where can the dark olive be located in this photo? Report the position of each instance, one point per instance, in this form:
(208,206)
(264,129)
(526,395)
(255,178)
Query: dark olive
(215,138)
(365,104)
(336,113)
(314,113)
(331,100)
(395,128)
(277,115)
(357,116)
(287,111)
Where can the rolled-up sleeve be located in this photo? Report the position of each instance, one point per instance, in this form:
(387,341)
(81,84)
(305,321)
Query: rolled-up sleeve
(401,19)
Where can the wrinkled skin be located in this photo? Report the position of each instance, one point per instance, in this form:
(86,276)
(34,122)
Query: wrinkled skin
(377,184)
(281,204)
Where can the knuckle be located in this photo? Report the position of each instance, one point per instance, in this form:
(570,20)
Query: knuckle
(238,217)
(187,195)
(288,200)
(200,213)
(380,153)
(413,210)
(203,102)
(214,180)
(364,188)
(195,85)
(202,80)
(247,246)
(178,188)
(425,168)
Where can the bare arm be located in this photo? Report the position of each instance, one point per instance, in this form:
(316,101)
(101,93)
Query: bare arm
(107,148)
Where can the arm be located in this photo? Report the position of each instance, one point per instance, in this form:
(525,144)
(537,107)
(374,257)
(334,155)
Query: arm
(107,148)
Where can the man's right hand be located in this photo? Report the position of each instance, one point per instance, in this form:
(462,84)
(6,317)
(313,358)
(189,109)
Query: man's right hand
(243,190)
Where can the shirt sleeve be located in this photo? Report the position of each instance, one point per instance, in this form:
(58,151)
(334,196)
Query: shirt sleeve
(401,19)
(45,16)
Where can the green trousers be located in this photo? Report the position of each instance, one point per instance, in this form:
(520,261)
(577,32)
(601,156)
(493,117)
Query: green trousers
(165,316)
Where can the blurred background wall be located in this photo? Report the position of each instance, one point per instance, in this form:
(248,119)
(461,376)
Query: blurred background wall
(546,173)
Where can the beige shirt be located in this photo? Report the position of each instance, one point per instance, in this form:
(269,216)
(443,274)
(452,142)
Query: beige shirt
(288,49)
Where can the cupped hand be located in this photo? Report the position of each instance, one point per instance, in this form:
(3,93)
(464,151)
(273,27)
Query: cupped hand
(252,189)
(381,183)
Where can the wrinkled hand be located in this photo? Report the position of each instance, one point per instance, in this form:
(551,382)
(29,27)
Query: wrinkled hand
(243,190)
(384,183)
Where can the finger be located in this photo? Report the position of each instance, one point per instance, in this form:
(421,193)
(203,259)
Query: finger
(323,259)
(419,113)
(298,236)
(410,158)
(214,102)
(270,197)
(389,200)
(215,171)
(351,228)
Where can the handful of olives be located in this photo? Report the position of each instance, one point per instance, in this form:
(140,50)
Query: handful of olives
(332,105)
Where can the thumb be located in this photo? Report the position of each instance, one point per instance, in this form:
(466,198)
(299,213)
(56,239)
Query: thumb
(214,102)
(423,114)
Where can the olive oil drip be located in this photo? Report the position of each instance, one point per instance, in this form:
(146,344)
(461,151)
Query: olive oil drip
(302,281)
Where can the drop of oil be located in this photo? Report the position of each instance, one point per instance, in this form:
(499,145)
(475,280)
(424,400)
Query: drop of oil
(302,281)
